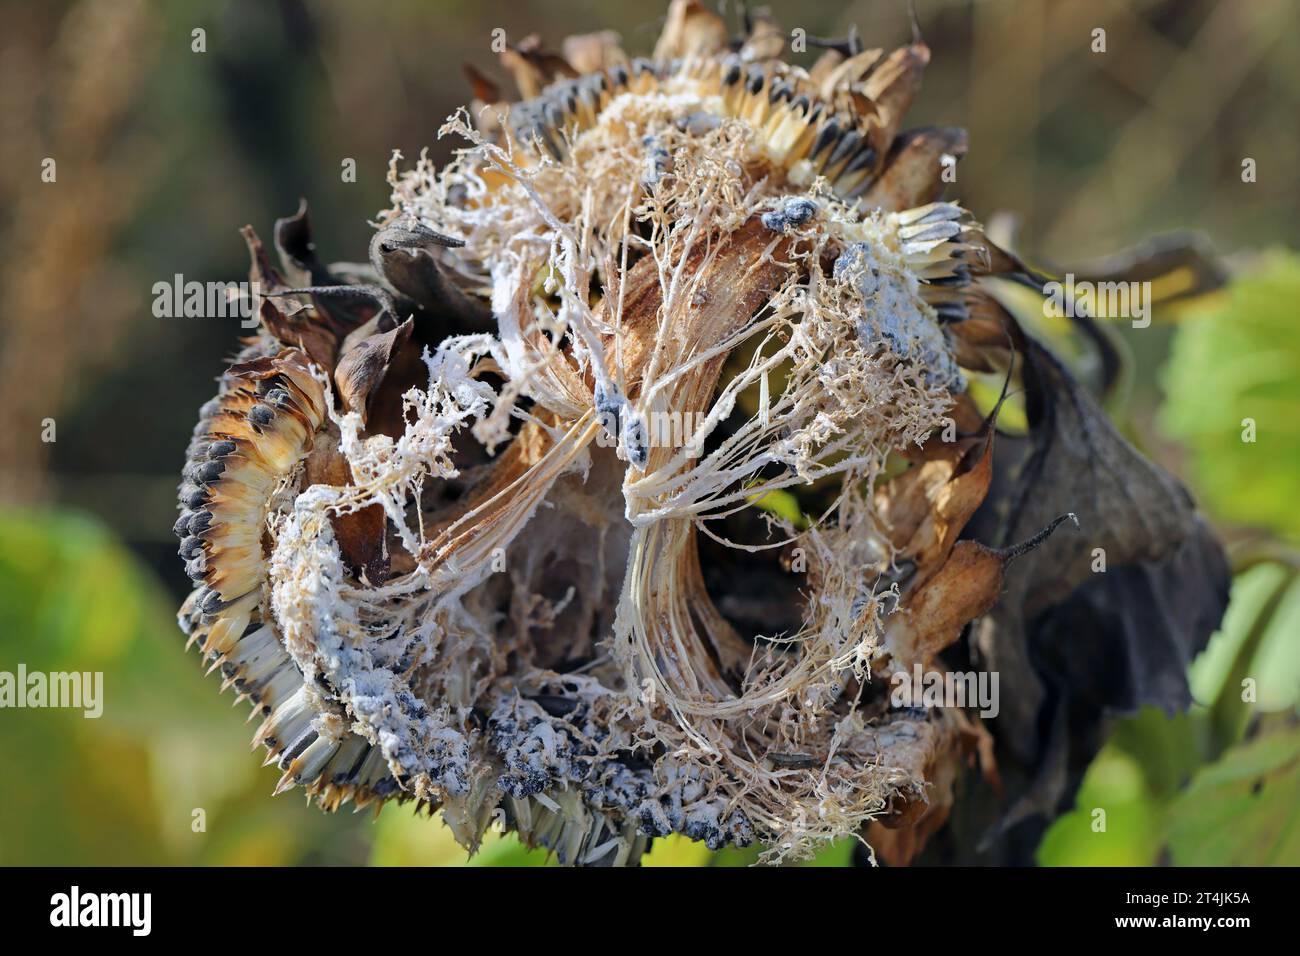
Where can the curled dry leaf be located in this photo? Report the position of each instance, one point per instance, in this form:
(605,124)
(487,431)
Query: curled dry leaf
(592,52)
(913,173)
(691,30)
(365,365)
(608,498)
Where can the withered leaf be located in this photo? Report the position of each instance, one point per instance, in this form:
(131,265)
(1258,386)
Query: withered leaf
(262,274)
(532,67)
(360,534)
(297,250)
(303,268)
(481,86)
(692,30)
(1184,259)
(361,370)
(403,254)
(298,329)
(766,40)
(934,613)
(927,506)
(1078,463)
(1079,644)
(894,83)
(312,328)
(589,52)
(913,171)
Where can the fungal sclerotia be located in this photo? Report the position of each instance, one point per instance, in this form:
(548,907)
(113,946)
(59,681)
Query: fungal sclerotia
(418,562)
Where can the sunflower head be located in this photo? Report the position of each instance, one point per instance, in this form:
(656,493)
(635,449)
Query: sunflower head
(608,497)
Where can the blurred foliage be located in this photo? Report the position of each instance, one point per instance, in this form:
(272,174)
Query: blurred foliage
(122,788)
(1243,810)
(1218,785)
(1235,361)
(405,837)
(1186,788)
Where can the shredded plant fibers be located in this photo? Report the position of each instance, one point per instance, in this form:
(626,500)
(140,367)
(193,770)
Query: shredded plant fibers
(606,499)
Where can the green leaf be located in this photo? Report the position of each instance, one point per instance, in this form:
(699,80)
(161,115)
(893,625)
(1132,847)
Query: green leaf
(781,503)
(1243,810)
(123,788)
(1169,748)
(839,853)
(500,850)
(1236,360)
(1253,591)
(403,837)
(1127,835)
(1255,648)
(677,850)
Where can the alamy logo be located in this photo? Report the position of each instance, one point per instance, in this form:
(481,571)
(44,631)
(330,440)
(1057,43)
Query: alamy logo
(946,689)
(656,430)
(1115,300)
(206,300)
(103,909)
(79,690)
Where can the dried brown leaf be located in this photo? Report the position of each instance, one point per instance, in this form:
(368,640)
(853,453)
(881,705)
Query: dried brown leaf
(590,52)
(691,30)
(362,369)
(913,171)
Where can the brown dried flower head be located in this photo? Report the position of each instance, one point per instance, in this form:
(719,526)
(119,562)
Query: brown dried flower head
(613,490)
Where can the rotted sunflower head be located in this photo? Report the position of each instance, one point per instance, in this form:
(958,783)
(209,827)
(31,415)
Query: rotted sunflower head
(607,498)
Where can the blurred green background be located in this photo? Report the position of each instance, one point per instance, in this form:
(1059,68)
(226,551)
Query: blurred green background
(163,153)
